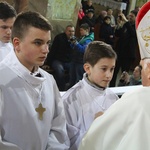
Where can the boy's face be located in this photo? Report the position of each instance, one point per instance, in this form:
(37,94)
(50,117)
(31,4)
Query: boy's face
(107,21)
(101,73)
(83,32)
(33,48)
(90,15)
(109,12)
(5,29)
(89,3)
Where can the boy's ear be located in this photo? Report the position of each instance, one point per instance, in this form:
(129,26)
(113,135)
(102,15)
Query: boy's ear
(16,43)
(87,67)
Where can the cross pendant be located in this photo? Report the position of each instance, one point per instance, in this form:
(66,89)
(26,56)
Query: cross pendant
(40,111)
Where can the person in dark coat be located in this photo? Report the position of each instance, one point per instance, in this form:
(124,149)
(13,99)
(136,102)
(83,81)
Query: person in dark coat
(107,31)
(126,44)
(60,55)
(88,6)
(90,19)
(101,16)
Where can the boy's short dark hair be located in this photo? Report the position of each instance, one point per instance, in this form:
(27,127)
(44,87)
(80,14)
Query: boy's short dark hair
(29,19)
(107,17)
(70,25)
(85,26)
(97,50)
(90,11)
(135,12)
(6,11)
(108,9)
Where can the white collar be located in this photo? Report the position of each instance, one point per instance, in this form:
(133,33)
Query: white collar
(14,64)
(5,44)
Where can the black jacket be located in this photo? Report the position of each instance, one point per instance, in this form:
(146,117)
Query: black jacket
(60,49)
(105,31)
(127,42)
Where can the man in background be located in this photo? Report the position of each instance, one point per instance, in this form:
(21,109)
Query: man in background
(60,55)
(126,44)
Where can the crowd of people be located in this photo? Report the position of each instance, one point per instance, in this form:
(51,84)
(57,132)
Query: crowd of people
(33,114)
(67,50)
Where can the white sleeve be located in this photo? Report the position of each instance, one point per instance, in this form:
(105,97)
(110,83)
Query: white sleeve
(58,137)
(4,145)
(74,132)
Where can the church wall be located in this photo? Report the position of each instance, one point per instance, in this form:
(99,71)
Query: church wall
(62,13)
(59,12)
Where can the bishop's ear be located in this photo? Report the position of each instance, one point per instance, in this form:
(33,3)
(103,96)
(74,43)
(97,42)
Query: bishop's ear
(148,70)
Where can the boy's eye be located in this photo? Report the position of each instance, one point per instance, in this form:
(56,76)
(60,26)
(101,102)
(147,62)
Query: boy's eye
(38,43)
(4,27)
(104,69)
(49,43)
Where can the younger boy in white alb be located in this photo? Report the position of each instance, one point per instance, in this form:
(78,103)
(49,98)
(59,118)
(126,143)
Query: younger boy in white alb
(90,97)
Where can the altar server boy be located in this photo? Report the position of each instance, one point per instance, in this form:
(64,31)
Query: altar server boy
(31,112)
(91,96)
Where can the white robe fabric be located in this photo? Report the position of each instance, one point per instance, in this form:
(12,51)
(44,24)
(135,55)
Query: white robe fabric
(5,48)
(20,94)
(124,126)
(81,103)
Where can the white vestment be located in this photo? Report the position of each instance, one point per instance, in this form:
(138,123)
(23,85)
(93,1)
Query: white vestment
(124,126)
(81,103)
(5,48)
(20,95)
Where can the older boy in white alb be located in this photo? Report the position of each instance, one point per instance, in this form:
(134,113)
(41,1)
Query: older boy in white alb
(31,110)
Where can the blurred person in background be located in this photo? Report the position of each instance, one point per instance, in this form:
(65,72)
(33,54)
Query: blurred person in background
(126,44)
(60,56)
(129,80)
(79,46)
